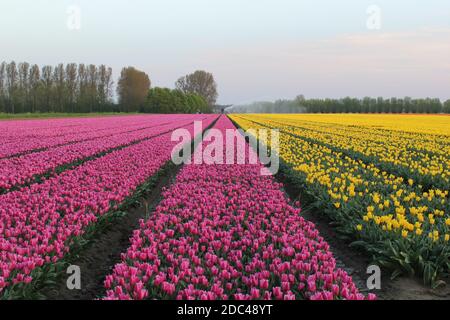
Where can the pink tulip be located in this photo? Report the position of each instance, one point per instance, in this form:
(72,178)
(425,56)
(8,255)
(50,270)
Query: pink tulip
(225,231)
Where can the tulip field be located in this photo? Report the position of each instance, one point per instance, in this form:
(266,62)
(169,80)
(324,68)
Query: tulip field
(106,160)
(224,231)
(219,231)
(227,232)
(384,179)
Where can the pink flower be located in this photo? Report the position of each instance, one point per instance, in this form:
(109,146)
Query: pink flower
(264,284)
(222,231)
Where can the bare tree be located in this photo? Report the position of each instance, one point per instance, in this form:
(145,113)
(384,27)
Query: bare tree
(104,85)
(2,86)
(47,81)
(108,84)
(23,86)
(71,85)
(34,80)
(92,87)
(201,83)
(11,84)
(82,87)
(59,79)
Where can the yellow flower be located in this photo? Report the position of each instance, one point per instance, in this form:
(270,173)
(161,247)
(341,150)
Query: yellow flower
(419,232)
(337,205)
(404,233)
(359,227)
(376,198)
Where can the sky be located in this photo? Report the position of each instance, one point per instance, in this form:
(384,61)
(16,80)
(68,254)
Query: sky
(256,49)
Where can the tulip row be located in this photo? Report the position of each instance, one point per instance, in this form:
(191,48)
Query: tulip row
(227,232)
(418,156)
(17,130)
(403,226)
(38,224)
(22,170)
(22,139)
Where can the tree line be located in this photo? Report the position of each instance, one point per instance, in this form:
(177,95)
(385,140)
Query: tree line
(374,105)
(81,88)
(72,87)
(346,105)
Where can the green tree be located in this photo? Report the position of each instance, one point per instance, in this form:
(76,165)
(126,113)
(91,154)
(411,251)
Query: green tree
(132,88)
(201,83)
(446,107)
(164,100)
